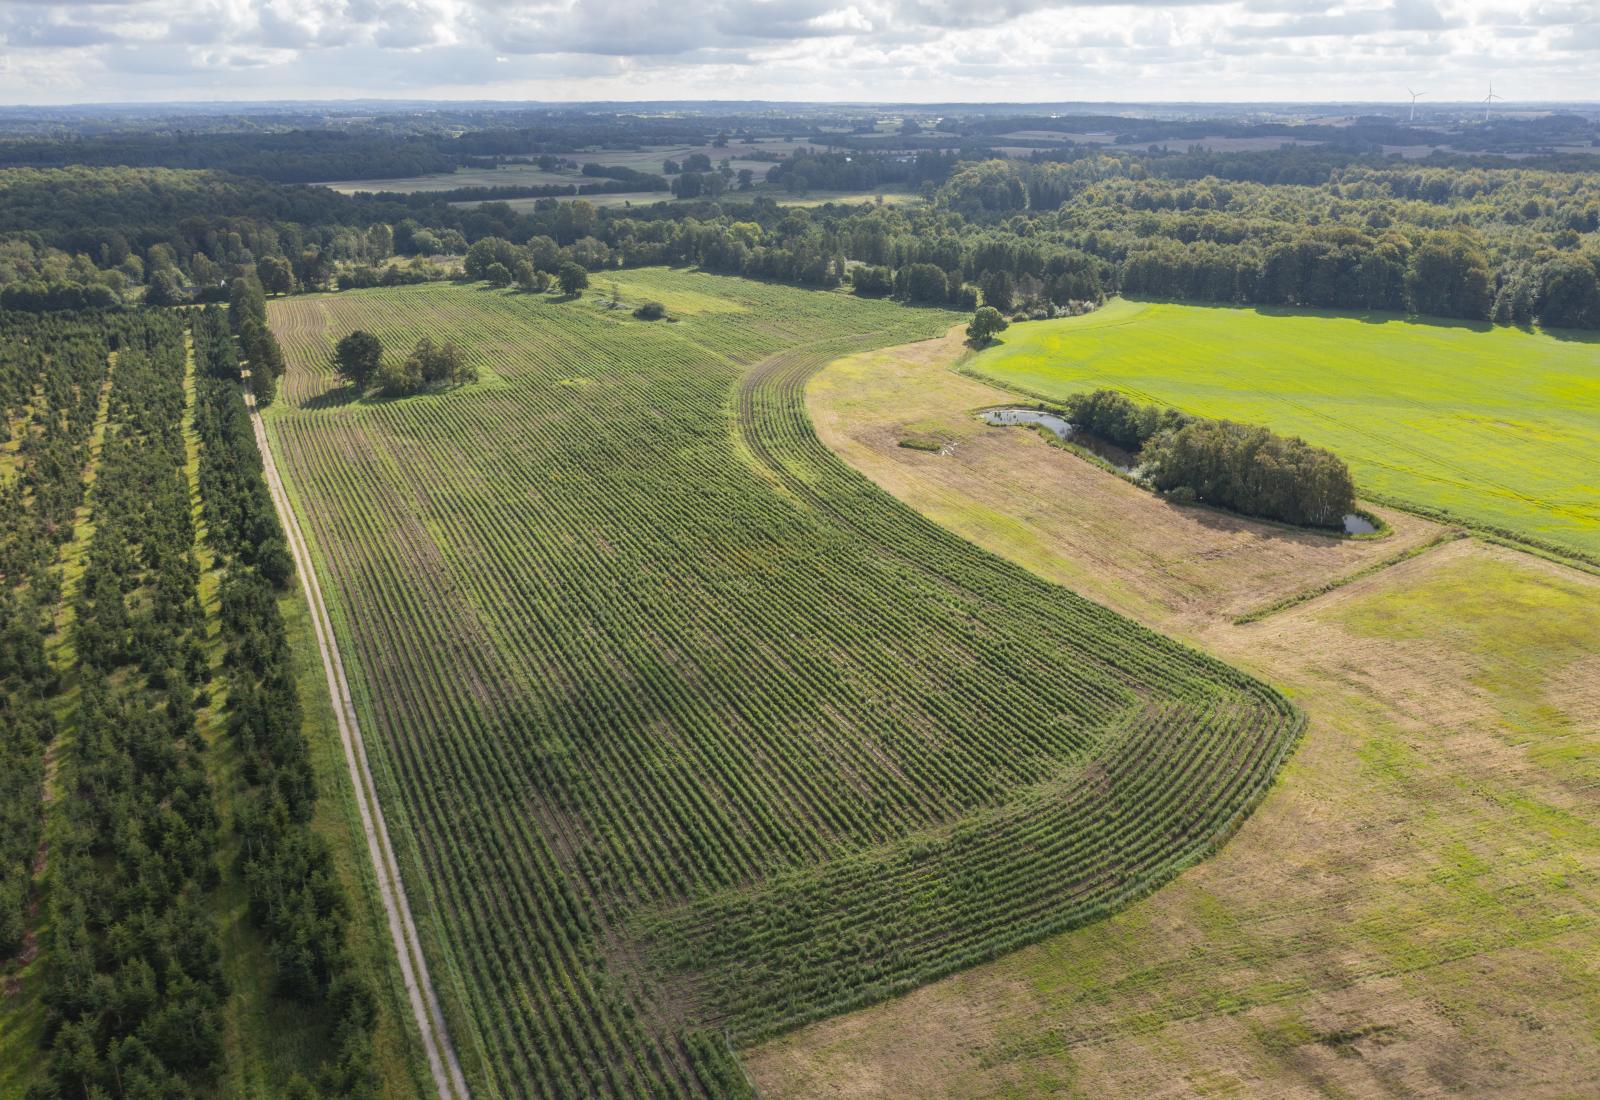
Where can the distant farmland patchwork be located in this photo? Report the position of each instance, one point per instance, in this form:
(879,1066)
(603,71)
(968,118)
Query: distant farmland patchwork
(1496,424)
(693,731)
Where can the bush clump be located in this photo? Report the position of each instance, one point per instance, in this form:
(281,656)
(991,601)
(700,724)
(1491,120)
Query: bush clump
(1242,467)
(1120,420)
(1252,470)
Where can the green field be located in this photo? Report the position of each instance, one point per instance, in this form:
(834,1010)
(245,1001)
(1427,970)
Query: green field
(523,175)
(1498,425)
(687,731)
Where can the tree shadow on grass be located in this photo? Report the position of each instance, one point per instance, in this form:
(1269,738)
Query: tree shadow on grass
(1376,317)
(1365,316)
(1572,335)
(1216,518)
(337,397)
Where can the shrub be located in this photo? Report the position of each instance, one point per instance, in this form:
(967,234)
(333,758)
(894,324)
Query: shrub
(986,322)
(1116,418)
(650,311)
(873,282)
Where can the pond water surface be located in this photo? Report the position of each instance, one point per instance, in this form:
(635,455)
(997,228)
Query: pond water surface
(1062,428)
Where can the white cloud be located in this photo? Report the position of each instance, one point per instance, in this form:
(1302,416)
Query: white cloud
(1016,50)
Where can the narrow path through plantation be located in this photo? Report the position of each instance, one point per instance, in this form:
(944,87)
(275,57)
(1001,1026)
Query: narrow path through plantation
(443,1063)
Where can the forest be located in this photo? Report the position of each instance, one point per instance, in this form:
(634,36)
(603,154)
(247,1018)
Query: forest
(117,674)
(1478,238)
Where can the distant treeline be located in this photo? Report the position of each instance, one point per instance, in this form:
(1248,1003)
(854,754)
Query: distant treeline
(1507,244)
(639,181)
(812,170)
(299,156)
(379,150)
(1242,467)
(1364,134)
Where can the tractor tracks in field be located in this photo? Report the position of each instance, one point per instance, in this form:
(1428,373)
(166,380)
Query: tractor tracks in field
(443,1063)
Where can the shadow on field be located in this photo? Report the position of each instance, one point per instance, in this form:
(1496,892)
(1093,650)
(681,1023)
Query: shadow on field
(332,399)
(1572,335)
(1376,317)
(1365,316)
(1220,519)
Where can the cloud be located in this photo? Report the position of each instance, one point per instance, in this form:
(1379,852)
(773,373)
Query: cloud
(1585,38)
(1041,50)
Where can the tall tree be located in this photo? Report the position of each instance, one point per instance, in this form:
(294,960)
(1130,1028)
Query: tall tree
(357,358)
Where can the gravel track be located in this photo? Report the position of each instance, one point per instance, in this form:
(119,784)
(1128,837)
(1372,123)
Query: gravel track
(443,1062)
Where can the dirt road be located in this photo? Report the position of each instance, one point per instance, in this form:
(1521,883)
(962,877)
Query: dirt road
(442,1060)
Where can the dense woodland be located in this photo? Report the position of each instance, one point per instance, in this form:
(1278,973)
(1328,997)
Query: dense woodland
(1478,239)
(133,984)
(1245,468)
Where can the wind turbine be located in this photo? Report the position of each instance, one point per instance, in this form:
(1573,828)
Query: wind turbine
(1414,97)
(1488,101)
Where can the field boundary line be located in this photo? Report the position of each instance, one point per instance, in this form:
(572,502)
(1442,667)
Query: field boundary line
(443,1062)
(1306,595)
(1559,553)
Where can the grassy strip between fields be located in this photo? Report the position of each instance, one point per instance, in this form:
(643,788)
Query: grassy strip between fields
(1500,536)
(1304,595)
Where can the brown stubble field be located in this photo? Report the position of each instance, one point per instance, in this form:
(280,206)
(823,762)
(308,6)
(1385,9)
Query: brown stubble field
(1412,911)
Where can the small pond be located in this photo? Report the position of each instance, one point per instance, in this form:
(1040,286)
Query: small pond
(1358,525)
(1062,428)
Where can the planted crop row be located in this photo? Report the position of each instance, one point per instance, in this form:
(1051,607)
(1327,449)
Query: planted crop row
(693,726)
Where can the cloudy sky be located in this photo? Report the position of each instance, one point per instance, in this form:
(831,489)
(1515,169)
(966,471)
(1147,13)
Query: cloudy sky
(67,51)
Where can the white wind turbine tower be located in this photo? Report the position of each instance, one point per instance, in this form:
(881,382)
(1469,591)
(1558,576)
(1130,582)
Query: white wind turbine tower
(1488,101)
(1414,97)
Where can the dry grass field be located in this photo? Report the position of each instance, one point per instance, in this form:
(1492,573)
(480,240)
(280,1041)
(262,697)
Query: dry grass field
(1415,909)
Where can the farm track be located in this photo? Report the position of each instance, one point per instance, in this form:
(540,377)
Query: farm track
(443,1063)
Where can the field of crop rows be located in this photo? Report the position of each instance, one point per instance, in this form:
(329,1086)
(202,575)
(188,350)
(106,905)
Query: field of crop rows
(697,733)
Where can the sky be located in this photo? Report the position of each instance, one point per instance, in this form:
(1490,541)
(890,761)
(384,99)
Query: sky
(77,51)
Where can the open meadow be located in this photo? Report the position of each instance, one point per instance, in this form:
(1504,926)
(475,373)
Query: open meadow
(522,175)
(688,732)
(1411,912)
(1497,425)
